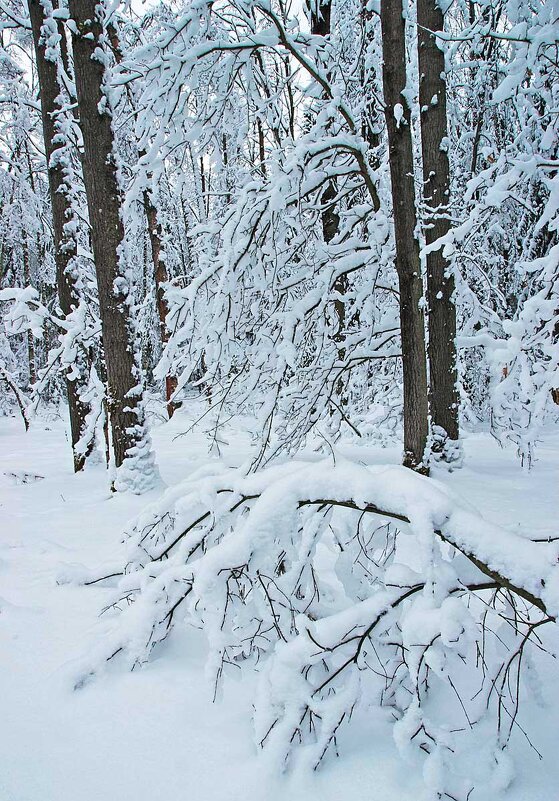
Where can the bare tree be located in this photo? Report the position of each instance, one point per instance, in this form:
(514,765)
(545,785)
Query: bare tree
(65,244)
(161,276)
(408,266)
(107,231)
(320,20)
(443,395)
(155,233)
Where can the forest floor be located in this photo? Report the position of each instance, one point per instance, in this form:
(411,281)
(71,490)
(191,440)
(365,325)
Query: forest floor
(154,734)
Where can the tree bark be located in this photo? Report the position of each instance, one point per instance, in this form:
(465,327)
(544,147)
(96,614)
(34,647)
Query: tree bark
(320,16)
(443,395)
(320,21)
(405,222)
(161,277)
(65,247)
(155,233)
(107,231)
(32,371)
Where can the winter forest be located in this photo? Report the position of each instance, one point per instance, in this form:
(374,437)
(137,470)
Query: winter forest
(279,400)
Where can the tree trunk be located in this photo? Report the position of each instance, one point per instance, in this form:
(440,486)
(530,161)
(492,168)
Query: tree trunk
(65,247)
(32,371)
(155,233)
(443,394)
(398,123)
(107,234)
(320,19)
(161,277)
(320,16)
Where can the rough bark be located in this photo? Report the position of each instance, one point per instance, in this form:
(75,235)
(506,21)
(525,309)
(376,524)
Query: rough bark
(443,394)
(30,339)
(405,221)
(65,247)
(107,232)
(320,15)
(320,20)
(161,277)
(155,233)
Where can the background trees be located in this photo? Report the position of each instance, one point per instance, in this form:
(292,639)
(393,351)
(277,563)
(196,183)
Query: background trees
(242,209)
(269,233)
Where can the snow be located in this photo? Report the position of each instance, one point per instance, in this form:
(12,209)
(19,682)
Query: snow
(155,733)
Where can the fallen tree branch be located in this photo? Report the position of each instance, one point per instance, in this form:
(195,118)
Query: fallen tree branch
(501,580)
(362,638)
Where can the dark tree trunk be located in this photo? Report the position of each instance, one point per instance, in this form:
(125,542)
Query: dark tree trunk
(407,247)
(65,247)
(320,15)
(443,393)
(320,19)
(32,371)
(155,233)
(161,277)
(107,232)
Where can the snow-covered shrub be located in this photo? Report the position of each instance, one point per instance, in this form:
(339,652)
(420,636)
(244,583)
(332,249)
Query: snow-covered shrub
(344,586)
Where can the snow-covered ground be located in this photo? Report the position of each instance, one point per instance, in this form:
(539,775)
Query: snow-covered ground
(154,733)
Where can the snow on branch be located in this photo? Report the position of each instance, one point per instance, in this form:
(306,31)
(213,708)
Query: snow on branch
(341,585)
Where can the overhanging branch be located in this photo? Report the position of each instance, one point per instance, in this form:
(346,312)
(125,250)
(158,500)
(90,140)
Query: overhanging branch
(497,577)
